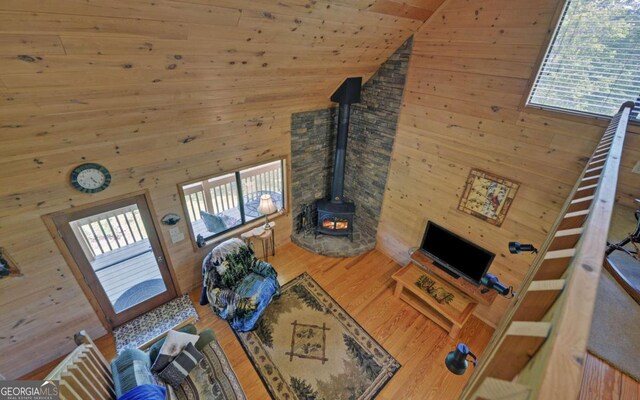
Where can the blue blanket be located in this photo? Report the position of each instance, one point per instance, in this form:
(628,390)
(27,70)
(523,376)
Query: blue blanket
(238,285)
(145,392)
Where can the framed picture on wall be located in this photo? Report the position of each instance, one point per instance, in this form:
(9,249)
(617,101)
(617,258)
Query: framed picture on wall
(487,196)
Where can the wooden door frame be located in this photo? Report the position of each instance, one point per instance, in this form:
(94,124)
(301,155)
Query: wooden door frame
(48,220)
(74,244)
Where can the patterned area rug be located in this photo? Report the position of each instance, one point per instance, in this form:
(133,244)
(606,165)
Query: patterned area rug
(148,326)
(213,378)
(306,346)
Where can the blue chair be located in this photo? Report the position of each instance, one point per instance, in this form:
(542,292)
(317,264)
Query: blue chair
(237,284)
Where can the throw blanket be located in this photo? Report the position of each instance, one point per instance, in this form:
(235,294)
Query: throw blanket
(145,392)
(238,285)
(224,249)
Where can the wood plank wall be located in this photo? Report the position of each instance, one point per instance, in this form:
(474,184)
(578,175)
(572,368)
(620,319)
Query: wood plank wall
(470,69)
(160,92)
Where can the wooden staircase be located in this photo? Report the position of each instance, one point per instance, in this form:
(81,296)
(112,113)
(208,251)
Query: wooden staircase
(539,348)
(84,373)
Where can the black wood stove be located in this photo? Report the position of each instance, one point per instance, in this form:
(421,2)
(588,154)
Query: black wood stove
(335,214)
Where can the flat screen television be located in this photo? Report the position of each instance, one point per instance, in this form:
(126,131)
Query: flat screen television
(457,256)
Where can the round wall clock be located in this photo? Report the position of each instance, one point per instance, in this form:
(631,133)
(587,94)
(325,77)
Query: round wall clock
(90,178)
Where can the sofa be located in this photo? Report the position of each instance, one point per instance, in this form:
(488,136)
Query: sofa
(134,376)
(238,285)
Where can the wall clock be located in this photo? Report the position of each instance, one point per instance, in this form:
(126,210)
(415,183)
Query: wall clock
(90,178)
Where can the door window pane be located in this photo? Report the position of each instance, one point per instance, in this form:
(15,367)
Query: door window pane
(117,246)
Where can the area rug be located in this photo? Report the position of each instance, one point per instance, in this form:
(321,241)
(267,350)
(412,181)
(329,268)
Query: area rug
(615,336)
(213,378)
(305,346)
(149,326)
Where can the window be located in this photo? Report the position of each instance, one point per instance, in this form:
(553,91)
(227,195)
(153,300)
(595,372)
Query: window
(592,65)
(221,203)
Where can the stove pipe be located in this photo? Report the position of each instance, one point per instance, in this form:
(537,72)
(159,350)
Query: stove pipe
(347,94)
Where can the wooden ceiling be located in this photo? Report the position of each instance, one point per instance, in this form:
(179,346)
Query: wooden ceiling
(205,61)
(80,55)
(160,92)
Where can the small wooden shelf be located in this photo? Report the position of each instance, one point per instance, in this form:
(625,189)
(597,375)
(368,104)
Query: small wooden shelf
(468,288)
(267,236)
(450,316)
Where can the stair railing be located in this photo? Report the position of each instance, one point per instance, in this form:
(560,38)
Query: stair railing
(539,349)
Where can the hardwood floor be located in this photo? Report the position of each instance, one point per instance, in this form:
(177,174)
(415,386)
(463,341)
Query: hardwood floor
(363,286)
(604,382)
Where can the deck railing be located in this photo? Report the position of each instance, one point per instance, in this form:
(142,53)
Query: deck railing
(220,194)
(257,180)
(110,231)
(214,196)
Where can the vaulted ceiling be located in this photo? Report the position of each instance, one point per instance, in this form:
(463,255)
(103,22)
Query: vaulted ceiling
(76,56)
(160,92)
(188,62)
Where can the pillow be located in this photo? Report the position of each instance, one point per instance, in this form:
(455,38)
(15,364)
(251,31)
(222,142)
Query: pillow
(154,350)
(228,220)
(173,345)
(213,223)
(145,392)
(176,372)
(207,336)
(130,369)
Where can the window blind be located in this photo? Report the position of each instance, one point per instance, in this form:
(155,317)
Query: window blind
(592,65)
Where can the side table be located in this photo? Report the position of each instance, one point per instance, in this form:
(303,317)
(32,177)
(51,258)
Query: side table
(266,236)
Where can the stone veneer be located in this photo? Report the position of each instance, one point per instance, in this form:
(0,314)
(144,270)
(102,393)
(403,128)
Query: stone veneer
(372,131)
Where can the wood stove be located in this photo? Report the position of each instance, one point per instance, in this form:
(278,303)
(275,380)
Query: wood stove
(335,219)
(336,215)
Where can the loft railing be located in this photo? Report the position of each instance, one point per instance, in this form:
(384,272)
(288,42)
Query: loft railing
(539,348)
(106,232)
(220,194)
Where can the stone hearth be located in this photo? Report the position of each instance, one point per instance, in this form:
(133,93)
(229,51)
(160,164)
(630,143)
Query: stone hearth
(335,246)
(371,135)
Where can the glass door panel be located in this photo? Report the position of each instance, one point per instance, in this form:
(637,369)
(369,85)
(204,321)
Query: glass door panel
(118,248)
(118,252)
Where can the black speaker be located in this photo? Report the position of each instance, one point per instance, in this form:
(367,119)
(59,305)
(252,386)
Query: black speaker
(517,248)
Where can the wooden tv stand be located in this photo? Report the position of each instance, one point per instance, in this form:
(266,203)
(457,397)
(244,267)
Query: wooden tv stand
(452,316)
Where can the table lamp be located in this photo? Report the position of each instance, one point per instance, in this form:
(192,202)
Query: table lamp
(266,207)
